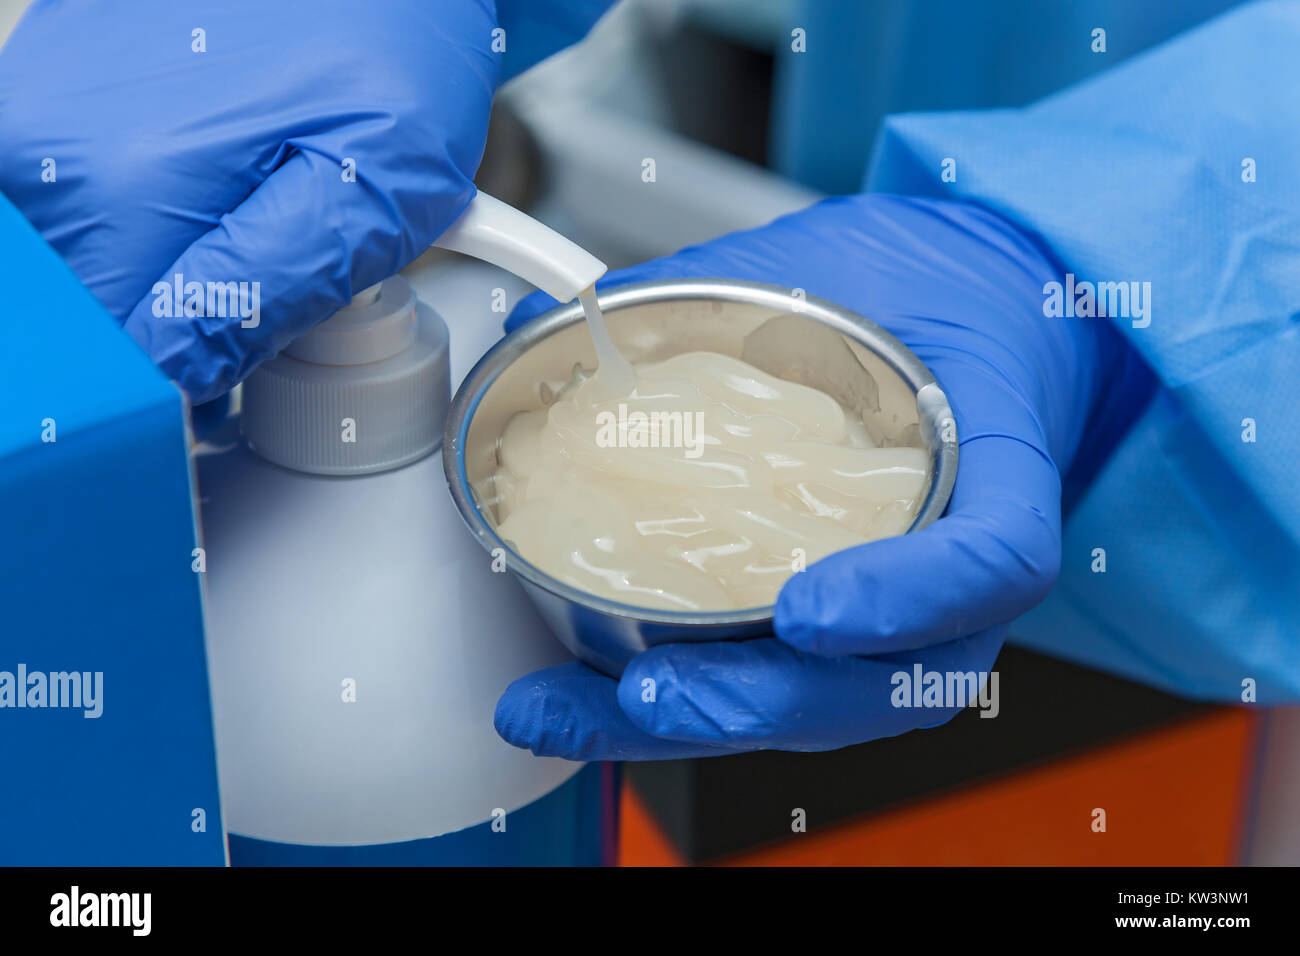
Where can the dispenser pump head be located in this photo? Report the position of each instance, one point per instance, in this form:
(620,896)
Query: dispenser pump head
(365,391)
(502,235)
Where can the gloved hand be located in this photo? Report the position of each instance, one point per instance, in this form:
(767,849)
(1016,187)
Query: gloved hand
(964,290)
(143,149)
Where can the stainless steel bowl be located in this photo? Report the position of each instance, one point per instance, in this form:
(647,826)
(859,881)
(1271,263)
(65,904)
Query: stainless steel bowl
(808,340)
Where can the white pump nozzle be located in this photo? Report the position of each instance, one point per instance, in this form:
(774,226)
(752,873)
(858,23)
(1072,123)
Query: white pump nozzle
(383,359)
(502,235)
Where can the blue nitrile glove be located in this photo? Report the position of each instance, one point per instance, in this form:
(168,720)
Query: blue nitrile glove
(313,149)
(964,290)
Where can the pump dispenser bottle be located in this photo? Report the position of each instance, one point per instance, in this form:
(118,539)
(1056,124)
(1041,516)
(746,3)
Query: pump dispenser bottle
(358,637)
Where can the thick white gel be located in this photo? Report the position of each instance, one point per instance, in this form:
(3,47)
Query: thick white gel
(740,480)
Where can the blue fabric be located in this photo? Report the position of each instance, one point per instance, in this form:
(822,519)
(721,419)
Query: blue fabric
(960,287)
(1138,175)
(228,164)
(866,60)
(535,29)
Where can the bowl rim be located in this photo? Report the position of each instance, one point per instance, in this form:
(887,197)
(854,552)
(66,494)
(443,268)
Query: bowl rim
(497,359)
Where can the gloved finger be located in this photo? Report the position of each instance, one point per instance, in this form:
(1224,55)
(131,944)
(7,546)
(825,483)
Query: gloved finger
(287,257)
(992,557)
(744,695)
(572,711)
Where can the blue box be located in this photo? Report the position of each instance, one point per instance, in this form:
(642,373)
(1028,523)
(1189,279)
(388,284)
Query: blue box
(97,532)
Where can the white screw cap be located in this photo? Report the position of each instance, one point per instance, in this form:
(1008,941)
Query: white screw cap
(365,391)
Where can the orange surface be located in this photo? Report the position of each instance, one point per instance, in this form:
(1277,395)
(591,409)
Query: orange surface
(1173,797)
(640,841)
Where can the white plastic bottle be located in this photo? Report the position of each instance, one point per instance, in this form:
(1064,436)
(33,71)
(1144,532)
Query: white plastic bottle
(358,638)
